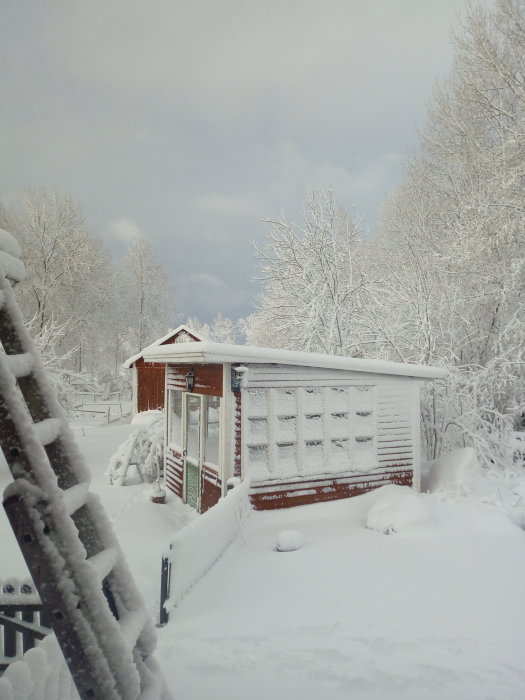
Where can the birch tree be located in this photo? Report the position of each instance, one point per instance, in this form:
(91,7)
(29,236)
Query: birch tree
(313,283)
(220,330)
(454,235)
(147,304)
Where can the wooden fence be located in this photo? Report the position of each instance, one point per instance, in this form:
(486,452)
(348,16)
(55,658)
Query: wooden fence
(196,548)
(23,621)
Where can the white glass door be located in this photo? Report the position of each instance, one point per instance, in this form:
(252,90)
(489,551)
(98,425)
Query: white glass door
(192,449)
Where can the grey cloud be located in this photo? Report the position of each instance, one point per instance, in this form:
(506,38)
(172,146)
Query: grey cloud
(196,120)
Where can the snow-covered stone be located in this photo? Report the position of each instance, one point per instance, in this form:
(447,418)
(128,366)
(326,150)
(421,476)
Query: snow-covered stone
(289,541)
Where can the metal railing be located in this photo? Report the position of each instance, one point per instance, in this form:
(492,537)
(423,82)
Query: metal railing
(23,621)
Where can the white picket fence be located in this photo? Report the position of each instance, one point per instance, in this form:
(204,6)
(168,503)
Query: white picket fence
(40,673)
(196,548)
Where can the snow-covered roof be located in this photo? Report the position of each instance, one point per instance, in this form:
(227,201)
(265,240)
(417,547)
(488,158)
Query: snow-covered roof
(131,360)
(210,352)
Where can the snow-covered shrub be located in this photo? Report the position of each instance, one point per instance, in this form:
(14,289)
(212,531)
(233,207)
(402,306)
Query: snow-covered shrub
(143,449)
(454,471)
(517,446)
(473,406)
(119,383)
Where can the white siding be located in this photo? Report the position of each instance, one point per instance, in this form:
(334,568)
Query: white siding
(396,427)
(300,421)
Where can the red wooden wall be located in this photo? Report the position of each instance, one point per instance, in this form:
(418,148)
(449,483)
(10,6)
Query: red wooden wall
(151,380)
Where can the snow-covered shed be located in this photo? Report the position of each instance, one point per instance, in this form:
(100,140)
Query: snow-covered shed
(149,378)
(303,427)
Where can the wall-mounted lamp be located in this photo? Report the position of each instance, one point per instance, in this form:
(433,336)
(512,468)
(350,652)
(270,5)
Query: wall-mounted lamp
(239,375)
(190,380)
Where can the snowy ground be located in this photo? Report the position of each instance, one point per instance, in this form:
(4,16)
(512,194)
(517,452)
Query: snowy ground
(142,527)
(435,610)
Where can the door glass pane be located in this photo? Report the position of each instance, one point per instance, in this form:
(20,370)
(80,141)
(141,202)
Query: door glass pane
(193,414)
(176,420)
(211,447)
(193,447)
(192,484)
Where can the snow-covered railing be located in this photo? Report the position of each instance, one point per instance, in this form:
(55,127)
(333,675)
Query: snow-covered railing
(22,620)
(196,548)
(42,674)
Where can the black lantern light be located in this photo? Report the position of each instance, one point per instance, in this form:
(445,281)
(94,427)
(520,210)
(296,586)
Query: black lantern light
(190,380)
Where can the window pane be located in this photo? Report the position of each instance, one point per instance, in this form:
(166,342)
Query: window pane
(285,402)
(287,428)
(364,398)
(176,421)
(340,458)
(211,445)
(193,411)
(313,426)
(365,452)
(313,455)
(258,454)
(337,399)
(257,430)
(256,402)
(313,400)
(340,425)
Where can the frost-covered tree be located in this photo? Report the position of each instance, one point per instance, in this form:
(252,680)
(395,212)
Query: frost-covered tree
(68,273)
(86,313)
(146,303)
(67,268)
(314,285)
(221,329)
(452,244)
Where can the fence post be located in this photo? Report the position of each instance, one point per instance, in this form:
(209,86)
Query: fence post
(28,640)
(165,575)
(9,632)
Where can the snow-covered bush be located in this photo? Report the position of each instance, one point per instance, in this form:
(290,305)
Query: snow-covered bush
(454,472)
(143,449)
(471,408)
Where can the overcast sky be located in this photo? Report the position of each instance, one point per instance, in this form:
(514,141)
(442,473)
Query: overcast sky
(188,122)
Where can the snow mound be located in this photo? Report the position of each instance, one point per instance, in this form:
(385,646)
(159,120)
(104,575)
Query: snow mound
(143,450)
(397,509)
(454,472)
(147,418)
(289,541)
(519,490)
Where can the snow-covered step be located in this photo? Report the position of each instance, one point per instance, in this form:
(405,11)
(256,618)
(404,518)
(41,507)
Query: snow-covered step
(104,561)
(48,430)
(20,365)
(75,496)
